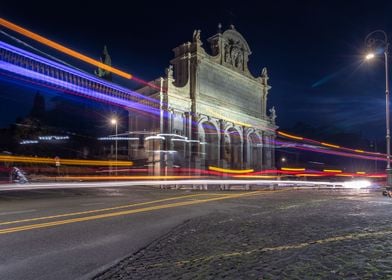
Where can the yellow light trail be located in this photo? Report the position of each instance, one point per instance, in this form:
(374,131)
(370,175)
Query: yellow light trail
(332,170)
(42,160)
(290,136)
(324,144)
(361,172)
(344,175)
(127,212)
(62,48)
(330,145)
(308,175)
(231,171)
(292,169)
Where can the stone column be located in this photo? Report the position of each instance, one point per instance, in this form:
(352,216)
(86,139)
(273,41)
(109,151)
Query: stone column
(260,152)
(245,147)
(241,148)
(273,163)
(195,147)
(221,143)
(268,152)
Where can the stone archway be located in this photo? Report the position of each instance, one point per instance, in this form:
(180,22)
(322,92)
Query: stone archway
(254,147)
(209,143)
(233,148)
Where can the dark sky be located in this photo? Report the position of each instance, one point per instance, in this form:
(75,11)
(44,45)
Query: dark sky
(312,49)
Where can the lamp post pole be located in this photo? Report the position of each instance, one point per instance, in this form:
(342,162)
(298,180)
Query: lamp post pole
(388,136)
(116,146)
(114,121)
(372,41)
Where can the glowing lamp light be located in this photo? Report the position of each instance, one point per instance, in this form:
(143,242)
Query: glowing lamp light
(113,121)
(369,56)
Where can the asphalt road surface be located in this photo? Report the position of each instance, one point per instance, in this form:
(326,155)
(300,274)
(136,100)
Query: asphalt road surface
(77,233)
(148,233)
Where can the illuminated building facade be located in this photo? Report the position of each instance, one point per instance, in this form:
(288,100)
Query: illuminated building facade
(213,111)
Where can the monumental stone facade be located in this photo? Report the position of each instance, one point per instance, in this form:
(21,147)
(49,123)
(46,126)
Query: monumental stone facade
(213,111)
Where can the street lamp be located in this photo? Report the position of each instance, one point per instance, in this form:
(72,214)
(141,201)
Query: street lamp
(114,122)
(375,40)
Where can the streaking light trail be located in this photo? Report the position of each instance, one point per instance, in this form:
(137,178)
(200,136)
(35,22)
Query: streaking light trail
(230,171)
(134,177)
(290,136)
(113,99)
(331,152)
(330,145)
(287,135)
(62,48)
(333,170)
(89,78)
(76,89)
(292,169)
(42,160)
(192,182)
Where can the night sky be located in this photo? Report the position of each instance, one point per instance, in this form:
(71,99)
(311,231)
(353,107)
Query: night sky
(313,50)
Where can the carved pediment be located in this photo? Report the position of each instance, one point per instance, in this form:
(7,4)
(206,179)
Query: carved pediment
(234,54)
(232,49)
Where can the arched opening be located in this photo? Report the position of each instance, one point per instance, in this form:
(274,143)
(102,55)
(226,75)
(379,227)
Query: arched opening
(233,149)
(209,143)
(254,151)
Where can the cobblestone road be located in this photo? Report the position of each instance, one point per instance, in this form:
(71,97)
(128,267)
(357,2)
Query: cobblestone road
(284,235)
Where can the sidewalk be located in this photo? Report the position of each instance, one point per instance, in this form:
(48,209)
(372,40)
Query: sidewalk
(285,235)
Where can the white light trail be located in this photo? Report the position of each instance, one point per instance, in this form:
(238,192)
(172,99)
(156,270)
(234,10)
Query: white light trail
(275,183)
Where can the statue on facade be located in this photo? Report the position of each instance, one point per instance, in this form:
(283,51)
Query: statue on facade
(196,36)
(227,53)
(272,114)
(105,58)
(237,57)
(264,73)
(169,72)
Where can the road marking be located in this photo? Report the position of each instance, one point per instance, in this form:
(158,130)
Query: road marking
(92,203)
(133,211)
(17,212)
(279,248)
(100,210)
